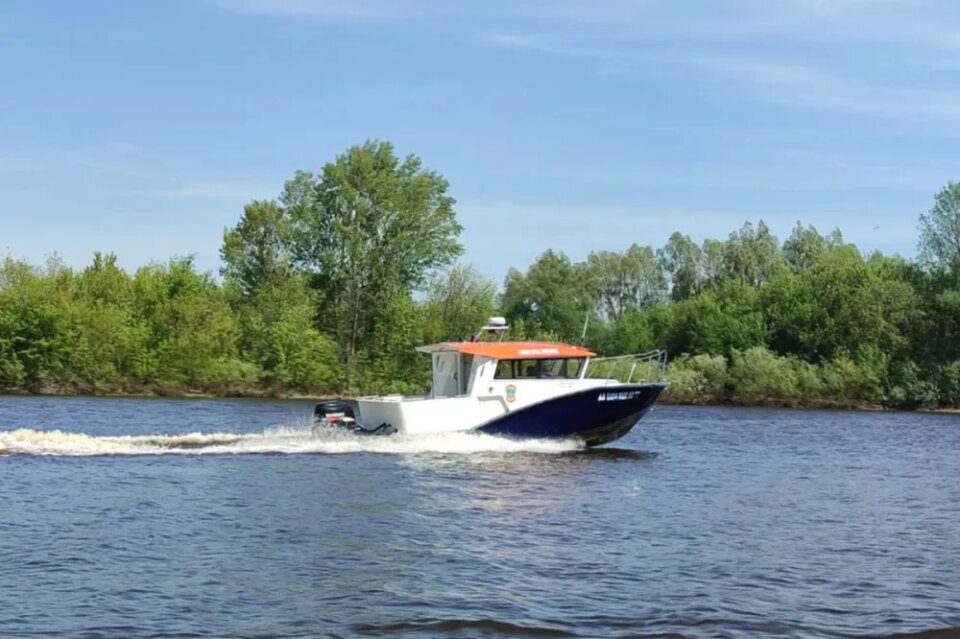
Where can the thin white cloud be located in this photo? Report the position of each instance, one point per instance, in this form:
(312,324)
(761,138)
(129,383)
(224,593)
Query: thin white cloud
(787,170)
(109,159)
(137,214)
(857,57)
(13,163)
(792,84)
(777,81)
(319,9)
(547,44)
(217,189)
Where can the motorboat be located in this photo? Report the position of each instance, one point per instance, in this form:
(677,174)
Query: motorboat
(516,389)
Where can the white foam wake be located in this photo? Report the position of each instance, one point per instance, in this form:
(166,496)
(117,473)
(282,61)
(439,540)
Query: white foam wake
(26,441)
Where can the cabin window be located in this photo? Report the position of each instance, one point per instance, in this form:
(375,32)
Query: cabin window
(504,369)
(561,368)
(568,368)
(527,369)
(553,368)
(539,368)
(574,366)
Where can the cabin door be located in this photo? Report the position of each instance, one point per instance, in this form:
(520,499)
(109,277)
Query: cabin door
(445,382)
(466,367)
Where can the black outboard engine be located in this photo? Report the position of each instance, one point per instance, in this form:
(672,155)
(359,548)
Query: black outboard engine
(335,413)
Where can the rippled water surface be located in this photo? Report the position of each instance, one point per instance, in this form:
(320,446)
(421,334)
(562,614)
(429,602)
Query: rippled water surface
(198,518)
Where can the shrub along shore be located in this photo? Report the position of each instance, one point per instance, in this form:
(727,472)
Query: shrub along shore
(756,377)
(326,291)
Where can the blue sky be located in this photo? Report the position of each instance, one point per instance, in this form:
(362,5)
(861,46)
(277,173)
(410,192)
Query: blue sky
(143,127)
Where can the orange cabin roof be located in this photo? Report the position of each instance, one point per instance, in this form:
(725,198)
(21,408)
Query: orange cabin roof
(511,350)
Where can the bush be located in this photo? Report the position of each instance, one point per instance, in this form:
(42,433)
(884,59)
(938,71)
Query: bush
(697,379)
(908,388)
(949,384)
(758,374)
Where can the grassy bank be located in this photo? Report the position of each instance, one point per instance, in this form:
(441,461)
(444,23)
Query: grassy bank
(759,377)
(753,377)
(149,390)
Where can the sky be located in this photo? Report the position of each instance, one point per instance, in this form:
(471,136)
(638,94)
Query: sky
(142,128)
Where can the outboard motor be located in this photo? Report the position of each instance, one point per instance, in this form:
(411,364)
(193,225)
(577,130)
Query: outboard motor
(334,413)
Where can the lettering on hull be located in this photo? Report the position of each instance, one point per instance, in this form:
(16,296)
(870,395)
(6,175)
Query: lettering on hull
(618,397)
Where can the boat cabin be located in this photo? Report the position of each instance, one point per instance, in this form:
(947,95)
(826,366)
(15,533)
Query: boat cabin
(469,368)
(480,383)
(477,381)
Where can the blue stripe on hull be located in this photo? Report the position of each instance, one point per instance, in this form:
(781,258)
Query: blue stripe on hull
(596,415)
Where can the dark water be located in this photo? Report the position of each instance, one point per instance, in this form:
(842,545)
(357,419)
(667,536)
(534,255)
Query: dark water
(701,523)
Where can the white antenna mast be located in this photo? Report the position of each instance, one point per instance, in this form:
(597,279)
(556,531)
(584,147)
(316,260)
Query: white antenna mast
(497,325)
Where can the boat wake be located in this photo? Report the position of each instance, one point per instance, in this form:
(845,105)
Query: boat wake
(26,441)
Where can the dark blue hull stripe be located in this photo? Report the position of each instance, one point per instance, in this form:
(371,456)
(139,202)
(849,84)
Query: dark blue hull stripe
(596,415)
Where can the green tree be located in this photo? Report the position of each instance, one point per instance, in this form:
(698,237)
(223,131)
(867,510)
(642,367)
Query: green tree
(629,280)
(369,228)
(682,259)
(803,248)
(459,302)
(256,252)
(712,261)
(857,307)
(555,296)
(278,336)
(792,314)
(193,333)
(752,255)
(110,339)
(940,230)
(725,318)
(37,344)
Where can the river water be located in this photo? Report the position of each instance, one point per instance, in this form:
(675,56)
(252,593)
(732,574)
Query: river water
(208,518)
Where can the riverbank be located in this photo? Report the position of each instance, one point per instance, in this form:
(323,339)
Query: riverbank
(776,402)
(253,392)
(147,390)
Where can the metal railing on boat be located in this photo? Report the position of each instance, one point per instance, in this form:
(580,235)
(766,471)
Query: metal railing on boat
(630,369)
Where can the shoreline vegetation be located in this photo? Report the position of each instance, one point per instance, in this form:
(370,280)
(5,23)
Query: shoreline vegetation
(147,392)
(327,290)
(667,399)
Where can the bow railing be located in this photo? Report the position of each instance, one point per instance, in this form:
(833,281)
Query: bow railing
(630,369)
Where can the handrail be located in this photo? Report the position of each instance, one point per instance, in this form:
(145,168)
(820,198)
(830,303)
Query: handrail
(652,367)
(495,398)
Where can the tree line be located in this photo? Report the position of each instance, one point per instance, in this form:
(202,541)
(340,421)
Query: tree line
(328,288)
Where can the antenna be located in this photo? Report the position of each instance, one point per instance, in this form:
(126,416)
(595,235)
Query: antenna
(583,335)
(496,325)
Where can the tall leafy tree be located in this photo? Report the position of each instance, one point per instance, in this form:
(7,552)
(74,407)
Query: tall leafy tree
(683,260)
(256,252)
(628,280)
(458,303)
(803,249)
(718,321)
(712,261)
(752,254)
(192,331)
(940,230)
(858,307)
(278,335)
(370,227)
(37,346)
(553,298)
(792,313)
